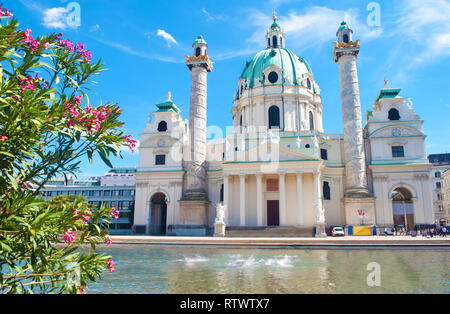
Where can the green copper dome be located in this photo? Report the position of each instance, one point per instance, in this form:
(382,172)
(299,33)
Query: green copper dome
(199,40)
(292,65)
(342,27)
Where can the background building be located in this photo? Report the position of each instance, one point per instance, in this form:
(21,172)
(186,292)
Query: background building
(446,195)
(440,162)
(116,189)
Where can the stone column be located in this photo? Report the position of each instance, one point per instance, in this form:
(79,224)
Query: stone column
(194,205)
(300,198)
(242,213)
(196,174)
(354,154)
(282,178)
(356,195)
(259,199)
(318,206)
(226,204)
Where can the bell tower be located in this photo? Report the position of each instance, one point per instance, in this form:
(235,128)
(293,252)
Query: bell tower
(194,204)
(356,196)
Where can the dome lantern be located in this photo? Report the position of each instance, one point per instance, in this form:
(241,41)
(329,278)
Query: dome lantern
(275,36)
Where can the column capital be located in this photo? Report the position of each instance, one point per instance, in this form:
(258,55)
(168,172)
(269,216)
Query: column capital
(259,174)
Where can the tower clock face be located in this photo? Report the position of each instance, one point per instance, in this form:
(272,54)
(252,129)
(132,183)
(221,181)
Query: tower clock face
(396,132)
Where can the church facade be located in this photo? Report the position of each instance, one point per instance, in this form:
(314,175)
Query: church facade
(277,168)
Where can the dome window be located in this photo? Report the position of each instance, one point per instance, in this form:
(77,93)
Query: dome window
(273,77)
(198,51)
(274,117)
(308,83)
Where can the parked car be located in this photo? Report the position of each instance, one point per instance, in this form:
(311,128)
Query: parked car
(338,232)
(387,232)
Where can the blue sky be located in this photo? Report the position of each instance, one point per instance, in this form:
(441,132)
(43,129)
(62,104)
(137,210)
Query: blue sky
(143,44)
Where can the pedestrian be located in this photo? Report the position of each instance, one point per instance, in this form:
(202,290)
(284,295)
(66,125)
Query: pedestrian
(444,231)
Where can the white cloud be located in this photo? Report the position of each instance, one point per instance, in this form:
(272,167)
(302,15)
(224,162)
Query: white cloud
(94,28)
(422,35)
(211,18)
(55,18)
(137,53)
(314,26)
(167,37)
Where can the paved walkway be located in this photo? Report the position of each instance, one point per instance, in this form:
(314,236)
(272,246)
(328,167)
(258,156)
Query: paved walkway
(367,241)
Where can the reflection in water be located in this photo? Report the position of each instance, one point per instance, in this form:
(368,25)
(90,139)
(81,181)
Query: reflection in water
(211,270)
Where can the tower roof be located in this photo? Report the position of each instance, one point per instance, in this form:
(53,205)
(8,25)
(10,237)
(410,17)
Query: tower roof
(343,26)
(168,105)
(199,40)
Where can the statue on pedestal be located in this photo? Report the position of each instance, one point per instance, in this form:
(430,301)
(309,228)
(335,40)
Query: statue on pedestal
(219,224)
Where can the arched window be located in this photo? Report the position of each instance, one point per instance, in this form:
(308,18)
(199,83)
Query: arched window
(240,124)
(162,126)
(308,83)
(197,51)
(274,117)
(311,121)
(268,42)
(345,38)
(326,191)
(281,42)
(394,114)
(275,41)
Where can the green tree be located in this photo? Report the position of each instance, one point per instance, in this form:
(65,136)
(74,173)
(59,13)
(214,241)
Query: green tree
(47,126)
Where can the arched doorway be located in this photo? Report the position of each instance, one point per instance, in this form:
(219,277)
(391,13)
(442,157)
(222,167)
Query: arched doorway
(403,208)
(158,214)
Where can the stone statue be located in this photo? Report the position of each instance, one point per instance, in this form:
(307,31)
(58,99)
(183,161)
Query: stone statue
(320,214)
(219,224)
(315,143)
(298,142)
(409,104)
(220,213)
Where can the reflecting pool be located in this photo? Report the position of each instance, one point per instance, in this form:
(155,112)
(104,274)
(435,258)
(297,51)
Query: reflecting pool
(142,269)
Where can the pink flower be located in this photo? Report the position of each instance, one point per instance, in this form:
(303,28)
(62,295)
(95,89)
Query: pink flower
(47,45)
(108,240)
(128,141)
(111,265)
(114,214)
(69,236)
(3,138)
(81,290)
(75,211)
(4,11)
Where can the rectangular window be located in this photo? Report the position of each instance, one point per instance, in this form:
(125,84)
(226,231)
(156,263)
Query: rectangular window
(107,193)
(272,185)
(398,151)
(160,159)
(324,154)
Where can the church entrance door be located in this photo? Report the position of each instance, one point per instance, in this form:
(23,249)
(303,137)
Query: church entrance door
(158,214)
(273,213)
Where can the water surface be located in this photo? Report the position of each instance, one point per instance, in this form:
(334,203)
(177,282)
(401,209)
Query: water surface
(143,269)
